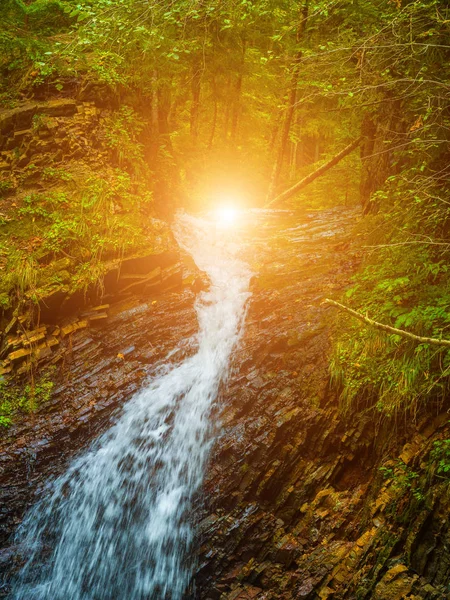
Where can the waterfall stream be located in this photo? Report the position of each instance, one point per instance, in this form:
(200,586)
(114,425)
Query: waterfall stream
(116,525)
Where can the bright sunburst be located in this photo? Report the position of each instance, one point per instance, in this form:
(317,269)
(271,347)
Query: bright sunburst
(226,215)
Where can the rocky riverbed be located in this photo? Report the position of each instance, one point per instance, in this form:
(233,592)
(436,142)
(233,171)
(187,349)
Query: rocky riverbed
(294,504)
(100,368)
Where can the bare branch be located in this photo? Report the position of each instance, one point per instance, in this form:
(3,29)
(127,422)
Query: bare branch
(411,242)
(387,328)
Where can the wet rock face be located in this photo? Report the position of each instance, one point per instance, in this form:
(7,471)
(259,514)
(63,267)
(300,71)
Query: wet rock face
(102,366)
(23,349)
(294,504)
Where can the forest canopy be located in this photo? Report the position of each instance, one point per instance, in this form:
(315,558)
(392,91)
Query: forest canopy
(275,85)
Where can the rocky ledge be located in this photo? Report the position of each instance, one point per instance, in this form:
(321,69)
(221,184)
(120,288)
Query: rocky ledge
(24,347)
(100,363)
(295,505)
(77,217)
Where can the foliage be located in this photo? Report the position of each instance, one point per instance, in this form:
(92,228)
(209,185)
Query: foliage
(440,455)
(28,398)
(404,282)
(121,131)
(26,40)
(56,174)
(403,478)
(98,219)
(203,91)
(158,52)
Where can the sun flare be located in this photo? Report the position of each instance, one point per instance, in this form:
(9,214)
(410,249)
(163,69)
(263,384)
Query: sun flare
(226,215)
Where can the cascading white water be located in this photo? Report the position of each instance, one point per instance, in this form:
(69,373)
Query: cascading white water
(116,525)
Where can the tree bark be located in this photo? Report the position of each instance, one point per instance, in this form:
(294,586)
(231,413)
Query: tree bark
(312,176)
(381,132)
(274,136)
(154,120)
(164,98)
(226,120)
(214,121)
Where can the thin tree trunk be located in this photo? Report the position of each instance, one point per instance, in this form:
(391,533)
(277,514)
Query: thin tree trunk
(155,127)
(285,130)
(274,136)
(164,103)
(195,107)
(154,121)
(312,176)
(237,96)
(227,108)
(214,121)
(290,106)
(294,150)
(300,145)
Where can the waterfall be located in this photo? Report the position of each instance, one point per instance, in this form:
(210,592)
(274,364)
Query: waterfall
(116,525)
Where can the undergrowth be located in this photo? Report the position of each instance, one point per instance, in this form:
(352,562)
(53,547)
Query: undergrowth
(97,220)
(19,398)
(76,218)
(405,283)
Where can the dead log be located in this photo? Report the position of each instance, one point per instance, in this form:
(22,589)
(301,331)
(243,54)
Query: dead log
(312,176)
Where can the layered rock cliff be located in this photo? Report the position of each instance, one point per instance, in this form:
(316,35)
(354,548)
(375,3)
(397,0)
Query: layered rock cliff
(300,500)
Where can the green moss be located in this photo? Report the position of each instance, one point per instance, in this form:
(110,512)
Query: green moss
(24,398)
(5,187)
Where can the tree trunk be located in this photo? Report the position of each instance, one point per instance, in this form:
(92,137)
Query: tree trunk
(309,178)
(290,106)
(237,97)
(214,121)
(195,107)
(274,136)
(294,149)
(382,132)
(154,121)
(285,130)
(226,119)
(164,102)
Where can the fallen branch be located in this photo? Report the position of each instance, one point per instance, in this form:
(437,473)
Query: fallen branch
(387,328)
(312,176)
(414,242)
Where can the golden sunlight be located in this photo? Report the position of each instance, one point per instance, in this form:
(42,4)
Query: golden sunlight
(226,215)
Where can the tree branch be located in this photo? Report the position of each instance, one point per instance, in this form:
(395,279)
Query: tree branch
(387,328)
(312,176)
(408,243)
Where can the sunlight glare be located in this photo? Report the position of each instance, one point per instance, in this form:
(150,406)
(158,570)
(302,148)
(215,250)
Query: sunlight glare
(226,215)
